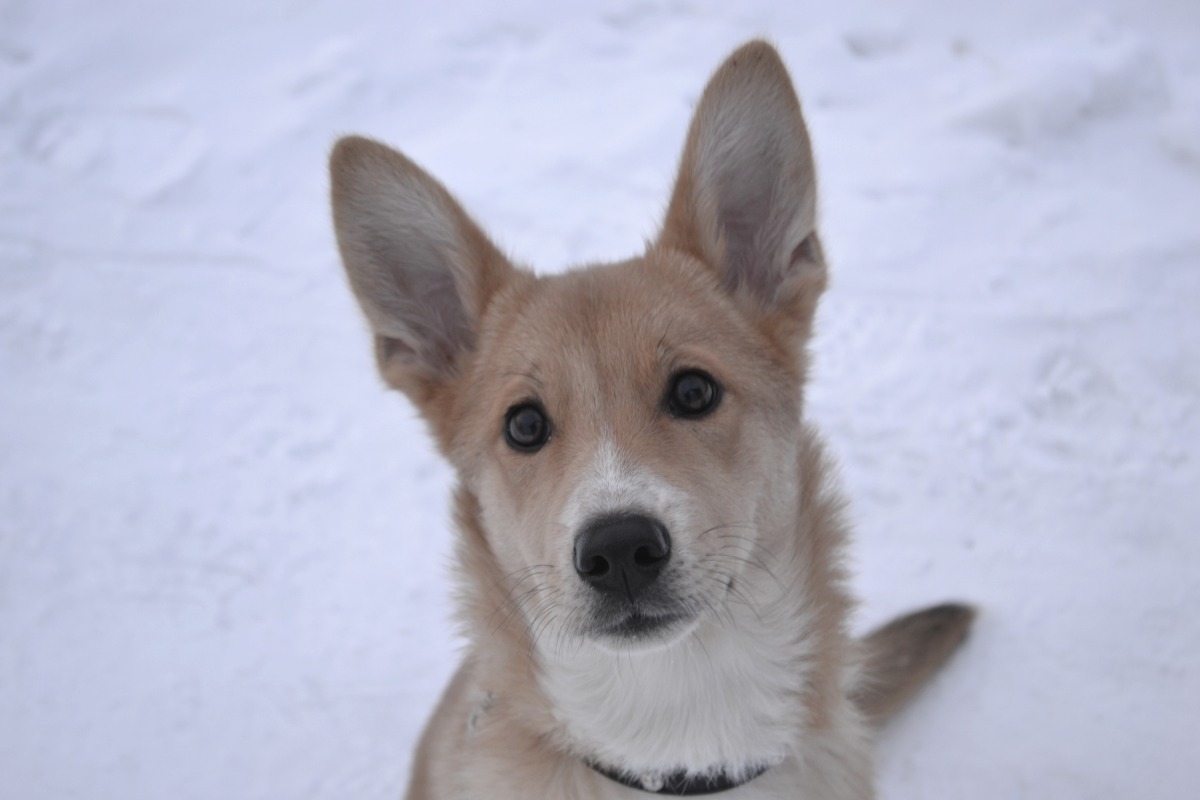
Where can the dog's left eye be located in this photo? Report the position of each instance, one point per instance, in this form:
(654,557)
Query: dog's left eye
(526,427)
(692,394)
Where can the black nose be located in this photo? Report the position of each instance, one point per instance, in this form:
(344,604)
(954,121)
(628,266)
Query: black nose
(622,554)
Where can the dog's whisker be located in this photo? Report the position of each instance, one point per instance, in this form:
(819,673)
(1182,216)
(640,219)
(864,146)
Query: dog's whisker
(727,583)
(720,555)
(515,604)
(750,544)
(754,545)
(723,612)
(545,617)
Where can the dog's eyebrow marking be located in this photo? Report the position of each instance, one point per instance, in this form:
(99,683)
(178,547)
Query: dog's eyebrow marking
(663,338)
(665,354)
(529,375)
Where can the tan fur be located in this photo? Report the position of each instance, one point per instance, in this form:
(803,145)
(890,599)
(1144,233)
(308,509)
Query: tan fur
(758,668)
(899,657)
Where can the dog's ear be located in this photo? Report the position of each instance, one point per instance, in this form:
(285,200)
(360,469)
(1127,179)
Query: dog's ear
(422,271)
(745,200)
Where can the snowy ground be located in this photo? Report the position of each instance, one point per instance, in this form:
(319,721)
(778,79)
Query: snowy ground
(221,541)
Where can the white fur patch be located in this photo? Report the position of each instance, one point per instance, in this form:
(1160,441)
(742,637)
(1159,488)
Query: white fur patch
(613,483)
(726,697)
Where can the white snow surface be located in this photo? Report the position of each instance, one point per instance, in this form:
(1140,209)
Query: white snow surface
(224,547)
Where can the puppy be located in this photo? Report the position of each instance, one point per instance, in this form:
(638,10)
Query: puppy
(650,543)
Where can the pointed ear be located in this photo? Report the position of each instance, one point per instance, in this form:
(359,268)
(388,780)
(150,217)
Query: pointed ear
(422,271)
(745,201)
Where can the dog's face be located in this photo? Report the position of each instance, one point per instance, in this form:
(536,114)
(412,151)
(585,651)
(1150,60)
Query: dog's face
(628,431)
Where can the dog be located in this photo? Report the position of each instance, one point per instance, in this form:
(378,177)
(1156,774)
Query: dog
(650,540)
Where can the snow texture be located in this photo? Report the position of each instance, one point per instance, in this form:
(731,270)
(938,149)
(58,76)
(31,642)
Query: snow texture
(223,544)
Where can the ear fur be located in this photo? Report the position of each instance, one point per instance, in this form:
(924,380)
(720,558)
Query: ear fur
(421,270)
(745,200)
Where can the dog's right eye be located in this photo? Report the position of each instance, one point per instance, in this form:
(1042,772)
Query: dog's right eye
(693,394)
(526,427)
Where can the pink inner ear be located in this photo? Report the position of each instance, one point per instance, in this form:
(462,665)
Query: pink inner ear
(417,263)
(748,161)
(413,300)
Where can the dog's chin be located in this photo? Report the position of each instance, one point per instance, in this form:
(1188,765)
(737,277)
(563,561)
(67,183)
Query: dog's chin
(636,630)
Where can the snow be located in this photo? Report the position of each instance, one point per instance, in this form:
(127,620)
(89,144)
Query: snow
(222,544)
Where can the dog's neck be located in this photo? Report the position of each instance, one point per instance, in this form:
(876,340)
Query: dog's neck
(726,699)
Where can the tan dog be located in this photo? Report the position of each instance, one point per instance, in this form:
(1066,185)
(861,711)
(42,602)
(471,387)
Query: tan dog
(650,544)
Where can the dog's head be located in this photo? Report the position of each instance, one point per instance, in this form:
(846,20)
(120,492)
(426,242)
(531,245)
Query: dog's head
(628,431)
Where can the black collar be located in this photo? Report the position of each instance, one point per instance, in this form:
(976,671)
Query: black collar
(679,784)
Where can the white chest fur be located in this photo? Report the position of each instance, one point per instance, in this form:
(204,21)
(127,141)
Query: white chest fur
(726,697)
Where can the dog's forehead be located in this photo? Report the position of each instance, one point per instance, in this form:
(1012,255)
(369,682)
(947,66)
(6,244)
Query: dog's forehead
(619,320)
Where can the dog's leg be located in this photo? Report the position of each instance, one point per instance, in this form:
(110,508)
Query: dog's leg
(899,657)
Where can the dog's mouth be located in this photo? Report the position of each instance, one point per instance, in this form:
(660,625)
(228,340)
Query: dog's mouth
(638,626)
